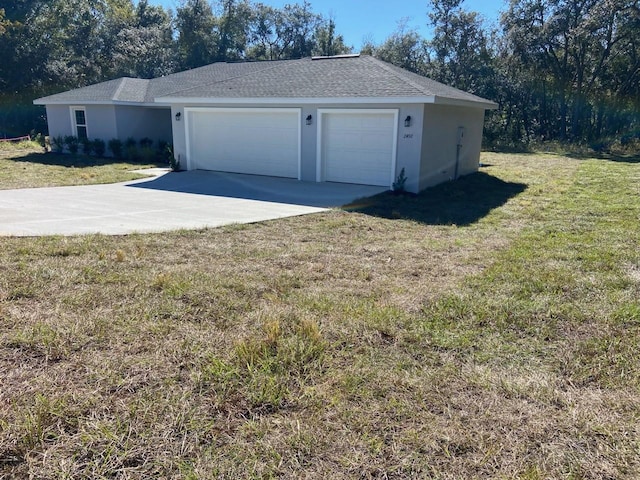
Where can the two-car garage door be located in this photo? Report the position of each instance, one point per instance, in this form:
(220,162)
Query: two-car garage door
(243,140)
(353,146)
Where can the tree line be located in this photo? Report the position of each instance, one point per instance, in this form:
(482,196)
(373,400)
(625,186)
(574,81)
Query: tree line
(565,70)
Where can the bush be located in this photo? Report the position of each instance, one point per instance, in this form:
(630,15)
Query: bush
(130,149)
(57,144)
(174,163)
(161,152)
(146,143)
(99,147)
(147,154)
(87,146)
(115,146)
(399,184)
(72,143)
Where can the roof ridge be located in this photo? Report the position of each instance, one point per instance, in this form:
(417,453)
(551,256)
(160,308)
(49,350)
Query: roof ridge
(401,77)
(228,78)
(123,82)
(116,94)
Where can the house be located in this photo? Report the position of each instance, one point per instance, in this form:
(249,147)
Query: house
(349,118)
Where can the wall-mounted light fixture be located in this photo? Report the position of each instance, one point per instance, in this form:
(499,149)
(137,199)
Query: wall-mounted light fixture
(178,116)
(407,121)
(309,119)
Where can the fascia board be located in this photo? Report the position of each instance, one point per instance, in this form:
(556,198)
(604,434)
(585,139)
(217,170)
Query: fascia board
(291,100)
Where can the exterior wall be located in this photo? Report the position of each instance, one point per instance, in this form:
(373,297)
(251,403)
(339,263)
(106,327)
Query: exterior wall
(59,120)
(409,138)
(100,119)
(113,121)
(101,122)
(143,122)
(440,143)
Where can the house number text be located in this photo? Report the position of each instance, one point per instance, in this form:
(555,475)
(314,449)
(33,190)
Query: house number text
(408,135)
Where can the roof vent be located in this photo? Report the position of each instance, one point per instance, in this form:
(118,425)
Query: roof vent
(348,55)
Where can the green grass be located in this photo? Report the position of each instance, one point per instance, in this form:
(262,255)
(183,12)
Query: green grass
(24,165)
(487,328)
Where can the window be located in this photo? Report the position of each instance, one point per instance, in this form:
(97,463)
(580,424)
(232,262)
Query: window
(79,117)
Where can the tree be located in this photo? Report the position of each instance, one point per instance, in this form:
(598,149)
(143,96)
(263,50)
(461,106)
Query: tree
(458,53)
(296,28)
(143,43)
(571,48)
(405,48)
(195,23)
(233,30)
(327,43)
(265,42)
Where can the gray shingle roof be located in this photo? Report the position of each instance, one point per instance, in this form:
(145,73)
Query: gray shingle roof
(334,78)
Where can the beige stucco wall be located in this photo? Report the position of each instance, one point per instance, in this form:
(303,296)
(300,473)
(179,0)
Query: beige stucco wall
(440,143)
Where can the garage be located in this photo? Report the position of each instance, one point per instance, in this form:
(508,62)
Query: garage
(257,141)
(357,146)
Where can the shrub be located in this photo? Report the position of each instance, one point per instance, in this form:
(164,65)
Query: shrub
(146,142)
(130,149)
(174,163)
(115,146)
(147,154)
(72,144)
(99,147)
(161,152)
(87,146)
(399,184)
(57,143)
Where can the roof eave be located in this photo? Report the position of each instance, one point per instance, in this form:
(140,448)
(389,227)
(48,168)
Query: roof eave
(324,100)
(45,102)
(456,102)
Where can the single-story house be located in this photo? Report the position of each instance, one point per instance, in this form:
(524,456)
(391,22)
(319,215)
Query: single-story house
(349,118)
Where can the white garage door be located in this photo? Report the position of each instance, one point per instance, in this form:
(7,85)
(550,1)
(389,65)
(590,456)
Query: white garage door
(359,146)
(242,140)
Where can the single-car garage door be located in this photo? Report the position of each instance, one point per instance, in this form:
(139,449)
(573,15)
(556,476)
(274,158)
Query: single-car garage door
(358,146)
(256,141)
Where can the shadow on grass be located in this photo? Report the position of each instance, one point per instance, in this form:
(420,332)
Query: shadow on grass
(610,157)
(75,161)
(462,202)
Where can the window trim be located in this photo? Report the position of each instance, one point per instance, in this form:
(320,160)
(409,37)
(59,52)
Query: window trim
(74,124)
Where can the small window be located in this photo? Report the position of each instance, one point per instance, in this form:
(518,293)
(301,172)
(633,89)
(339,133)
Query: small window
(80,123)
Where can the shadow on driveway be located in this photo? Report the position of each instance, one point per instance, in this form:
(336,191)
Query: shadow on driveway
(261,188)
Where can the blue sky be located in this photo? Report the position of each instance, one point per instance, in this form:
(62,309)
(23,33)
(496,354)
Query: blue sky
(376,19)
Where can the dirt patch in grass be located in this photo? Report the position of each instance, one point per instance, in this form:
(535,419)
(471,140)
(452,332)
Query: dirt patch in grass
(340,345)
(28,167)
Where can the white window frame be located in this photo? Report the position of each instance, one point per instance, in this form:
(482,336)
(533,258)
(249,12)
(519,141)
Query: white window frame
(74,125)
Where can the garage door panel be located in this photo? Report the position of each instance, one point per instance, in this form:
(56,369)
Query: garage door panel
(358,147)
(259,142)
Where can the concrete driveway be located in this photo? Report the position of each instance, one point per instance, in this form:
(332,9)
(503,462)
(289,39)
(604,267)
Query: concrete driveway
(170,201)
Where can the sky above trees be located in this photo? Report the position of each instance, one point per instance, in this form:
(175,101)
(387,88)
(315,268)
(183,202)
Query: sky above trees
(375,20)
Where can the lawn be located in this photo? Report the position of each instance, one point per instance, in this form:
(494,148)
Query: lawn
(488,328)
(24,165)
